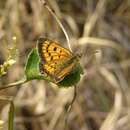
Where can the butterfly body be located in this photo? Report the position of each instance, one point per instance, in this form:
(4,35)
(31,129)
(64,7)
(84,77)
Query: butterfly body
(56,61)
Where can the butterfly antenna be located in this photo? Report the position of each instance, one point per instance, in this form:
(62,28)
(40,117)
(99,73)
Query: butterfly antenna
(58,21)
(70,105)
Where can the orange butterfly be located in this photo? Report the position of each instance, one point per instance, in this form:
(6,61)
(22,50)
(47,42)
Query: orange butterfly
(56,61)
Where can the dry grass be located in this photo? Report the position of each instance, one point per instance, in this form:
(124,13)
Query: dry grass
(103,100)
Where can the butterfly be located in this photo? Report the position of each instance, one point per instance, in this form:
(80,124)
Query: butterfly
(55,60)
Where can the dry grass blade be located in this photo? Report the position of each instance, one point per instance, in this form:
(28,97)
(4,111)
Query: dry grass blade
(90,24)
(111,119)
(113,115)
(99,42)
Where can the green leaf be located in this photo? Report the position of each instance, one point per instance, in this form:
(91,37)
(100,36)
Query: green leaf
(73,77)
(32,67)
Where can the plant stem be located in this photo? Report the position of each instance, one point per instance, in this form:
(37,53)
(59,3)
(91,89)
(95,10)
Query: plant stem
(58,21)
(22,81)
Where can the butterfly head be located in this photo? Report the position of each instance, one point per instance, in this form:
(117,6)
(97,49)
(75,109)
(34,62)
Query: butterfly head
(79,55)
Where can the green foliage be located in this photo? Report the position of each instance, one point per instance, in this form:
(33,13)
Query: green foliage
(73,77)
(32,67)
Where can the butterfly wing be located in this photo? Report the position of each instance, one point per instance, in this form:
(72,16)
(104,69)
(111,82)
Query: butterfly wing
(56,61)
(51,51)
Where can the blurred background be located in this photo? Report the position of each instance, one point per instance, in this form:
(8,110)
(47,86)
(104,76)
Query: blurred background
(100,29)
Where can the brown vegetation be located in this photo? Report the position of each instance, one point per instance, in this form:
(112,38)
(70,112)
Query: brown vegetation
(100,29)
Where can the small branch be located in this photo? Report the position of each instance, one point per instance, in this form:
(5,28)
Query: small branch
(74,97)
(14,84)
(70,105)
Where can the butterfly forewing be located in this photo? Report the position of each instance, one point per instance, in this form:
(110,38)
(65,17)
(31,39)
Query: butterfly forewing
(51,51)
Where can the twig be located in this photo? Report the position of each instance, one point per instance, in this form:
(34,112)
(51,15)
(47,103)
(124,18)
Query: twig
(70,105)
(14,84)
(58,21)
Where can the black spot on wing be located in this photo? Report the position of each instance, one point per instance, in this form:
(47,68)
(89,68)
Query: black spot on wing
(55,48)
